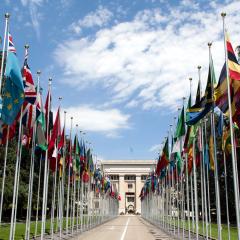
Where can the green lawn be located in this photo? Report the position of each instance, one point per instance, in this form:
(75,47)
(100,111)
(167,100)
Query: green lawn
(20,228)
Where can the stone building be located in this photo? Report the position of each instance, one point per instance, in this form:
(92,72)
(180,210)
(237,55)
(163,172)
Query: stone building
(127,177)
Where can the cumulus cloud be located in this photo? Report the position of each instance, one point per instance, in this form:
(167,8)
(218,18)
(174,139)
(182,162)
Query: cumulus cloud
(108,121)
(98,18)
(147,61)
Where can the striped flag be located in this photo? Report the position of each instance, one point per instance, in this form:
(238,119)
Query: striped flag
(221,93)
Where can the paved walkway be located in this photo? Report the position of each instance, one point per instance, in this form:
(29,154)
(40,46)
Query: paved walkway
(124,228)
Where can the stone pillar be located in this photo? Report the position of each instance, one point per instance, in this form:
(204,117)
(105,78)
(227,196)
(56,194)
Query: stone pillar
(122,194)
(138,190)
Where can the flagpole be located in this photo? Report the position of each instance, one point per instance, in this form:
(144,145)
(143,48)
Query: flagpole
(192,201)
(7,16)
(55,180)
(16,199)
(204,180)
(195,188)
(218,206)
(78,183)
(69,169)
(182,183)
(201,159)
(45,182)
(38,195)
(4,173)
(63,178)
(208,187)
(74,188)
(31,174)
(187,174)
(171,183)
(234,160)
(226,194)
(11,235)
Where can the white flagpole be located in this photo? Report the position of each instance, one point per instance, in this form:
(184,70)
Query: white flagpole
(201,159)
(38,195)
(7,16)
(217,191)
(63,179)
(192,201)
(45,182)
(69,173)
(74,189)
(207,179)
(11,235)
(226,194)
(55,182)
(204,181)
(16,200)
(31,175)
(187,175)
(195,188)
(234,160)
(4,174)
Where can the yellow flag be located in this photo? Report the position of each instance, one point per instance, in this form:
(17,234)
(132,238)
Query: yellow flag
(211,153)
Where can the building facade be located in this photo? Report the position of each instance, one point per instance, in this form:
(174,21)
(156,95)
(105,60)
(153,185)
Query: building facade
(127,177)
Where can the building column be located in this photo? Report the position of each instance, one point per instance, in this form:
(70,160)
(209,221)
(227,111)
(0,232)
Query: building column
(122,194)
(137,193)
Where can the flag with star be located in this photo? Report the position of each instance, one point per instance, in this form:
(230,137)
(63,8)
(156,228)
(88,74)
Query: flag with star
(13,90)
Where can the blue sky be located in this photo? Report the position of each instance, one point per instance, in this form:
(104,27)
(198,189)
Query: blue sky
(122,67)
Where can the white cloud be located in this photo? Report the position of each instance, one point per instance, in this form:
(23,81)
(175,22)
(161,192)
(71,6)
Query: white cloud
(90,119)
(148,61)
(98,18)
(33,6)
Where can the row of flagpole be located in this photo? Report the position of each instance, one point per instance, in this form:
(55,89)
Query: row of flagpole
(174,191)
(81,197)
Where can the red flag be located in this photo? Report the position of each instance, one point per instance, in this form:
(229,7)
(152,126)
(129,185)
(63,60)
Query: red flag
(56,131)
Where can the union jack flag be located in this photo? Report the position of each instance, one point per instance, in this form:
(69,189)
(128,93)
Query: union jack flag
(31,107)
(11,47)
(29,87)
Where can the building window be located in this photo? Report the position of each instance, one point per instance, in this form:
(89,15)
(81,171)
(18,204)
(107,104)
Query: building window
(129,177)
(143,177)
(130,199)
(114,177)
(114,187)
(130,186)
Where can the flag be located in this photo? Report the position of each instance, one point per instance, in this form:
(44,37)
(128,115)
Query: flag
(180,129)
(90,165)
(41,126)
(29,87)
(61,152)
(76,150)
(11,47)
(198,94)
(163,159)
(13,91)
(211,151)
(52,149)
(48,106)
(221,91)
(201,108)
(3,132)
